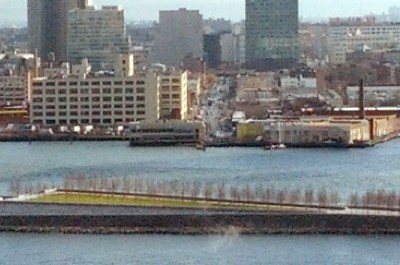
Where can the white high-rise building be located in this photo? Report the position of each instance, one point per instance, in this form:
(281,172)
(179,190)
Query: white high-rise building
(180,34)
(97,35)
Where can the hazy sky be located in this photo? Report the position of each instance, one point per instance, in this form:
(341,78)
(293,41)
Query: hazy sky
(14,11)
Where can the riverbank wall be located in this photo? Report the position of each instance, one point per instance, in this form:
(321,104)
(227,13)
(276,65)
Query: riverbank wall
(216,144)
(202,224)
(60,138)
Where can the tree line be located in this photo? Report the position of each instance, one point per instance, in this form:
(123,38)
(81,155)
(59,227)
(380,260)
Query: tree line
(208,190)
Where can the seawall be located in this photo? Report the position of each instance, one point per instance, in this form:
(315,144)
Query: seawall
(196,224)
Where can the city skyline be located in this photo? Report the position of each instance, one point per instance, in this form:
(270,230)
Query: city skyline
(16,13)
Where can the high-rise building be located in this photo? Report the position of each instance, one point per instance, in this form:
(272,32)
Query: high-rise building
(271,34)
(47,23)
(97,35)
(212,50)
(180,33)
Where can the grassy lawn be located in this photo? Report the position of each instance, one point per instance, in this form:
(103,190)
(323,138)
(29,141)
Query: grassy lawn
(76,198)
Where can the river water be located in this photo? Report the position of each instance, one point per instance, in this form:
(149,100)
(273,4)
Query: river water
(19,249)
(342,170)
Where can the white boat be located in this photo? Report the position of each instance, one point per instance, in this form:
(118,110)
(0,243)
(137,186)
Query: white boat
(275,146)
(279,146)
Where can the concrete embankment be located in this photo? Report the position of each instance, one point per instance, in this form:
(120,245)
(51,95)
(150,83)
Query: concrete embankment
(60,138)
(160,221)
(227,143)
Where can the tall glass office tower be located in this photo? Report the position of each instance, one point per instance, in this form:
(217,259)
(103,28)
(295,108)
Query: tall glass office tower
(47,25)
(271,34)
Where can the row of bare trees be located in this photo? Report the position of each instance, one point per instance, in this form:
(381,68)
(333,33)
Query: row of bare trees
(213,191)
(375,199)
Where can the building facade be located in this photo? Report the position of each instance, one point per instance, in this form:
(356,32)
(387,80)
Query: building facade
(233,48)
(47,25)
(349,34)
(174,96)
(344,132)
(212,50)
(95,100)
(180,33)
(14,89)
(271,34)
(97,35)
(166,133)
(374,96)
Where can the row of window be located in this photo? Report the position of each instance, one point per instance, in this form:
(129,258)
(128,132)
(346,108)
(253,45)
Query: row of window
(11,88)
(173,96)
(88,107)
(87,83)
(74,91)
(88,113)
(173,80)
(12,99)
(87,121)
(89,99)
(169,88)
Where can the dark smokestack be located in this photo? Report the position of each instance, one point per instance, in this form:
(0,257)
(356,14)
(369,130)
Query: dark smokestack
(362,100)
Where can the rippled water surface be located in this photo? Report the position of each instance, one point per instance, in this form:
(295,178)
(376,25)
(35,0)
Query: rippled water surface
(336,169)
(172,250)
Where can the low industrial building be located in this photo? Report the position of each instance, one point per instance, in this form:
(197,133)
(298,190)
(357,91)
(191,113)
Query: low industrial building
(328,132)
(249,132)
(317,131)
(166,133)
